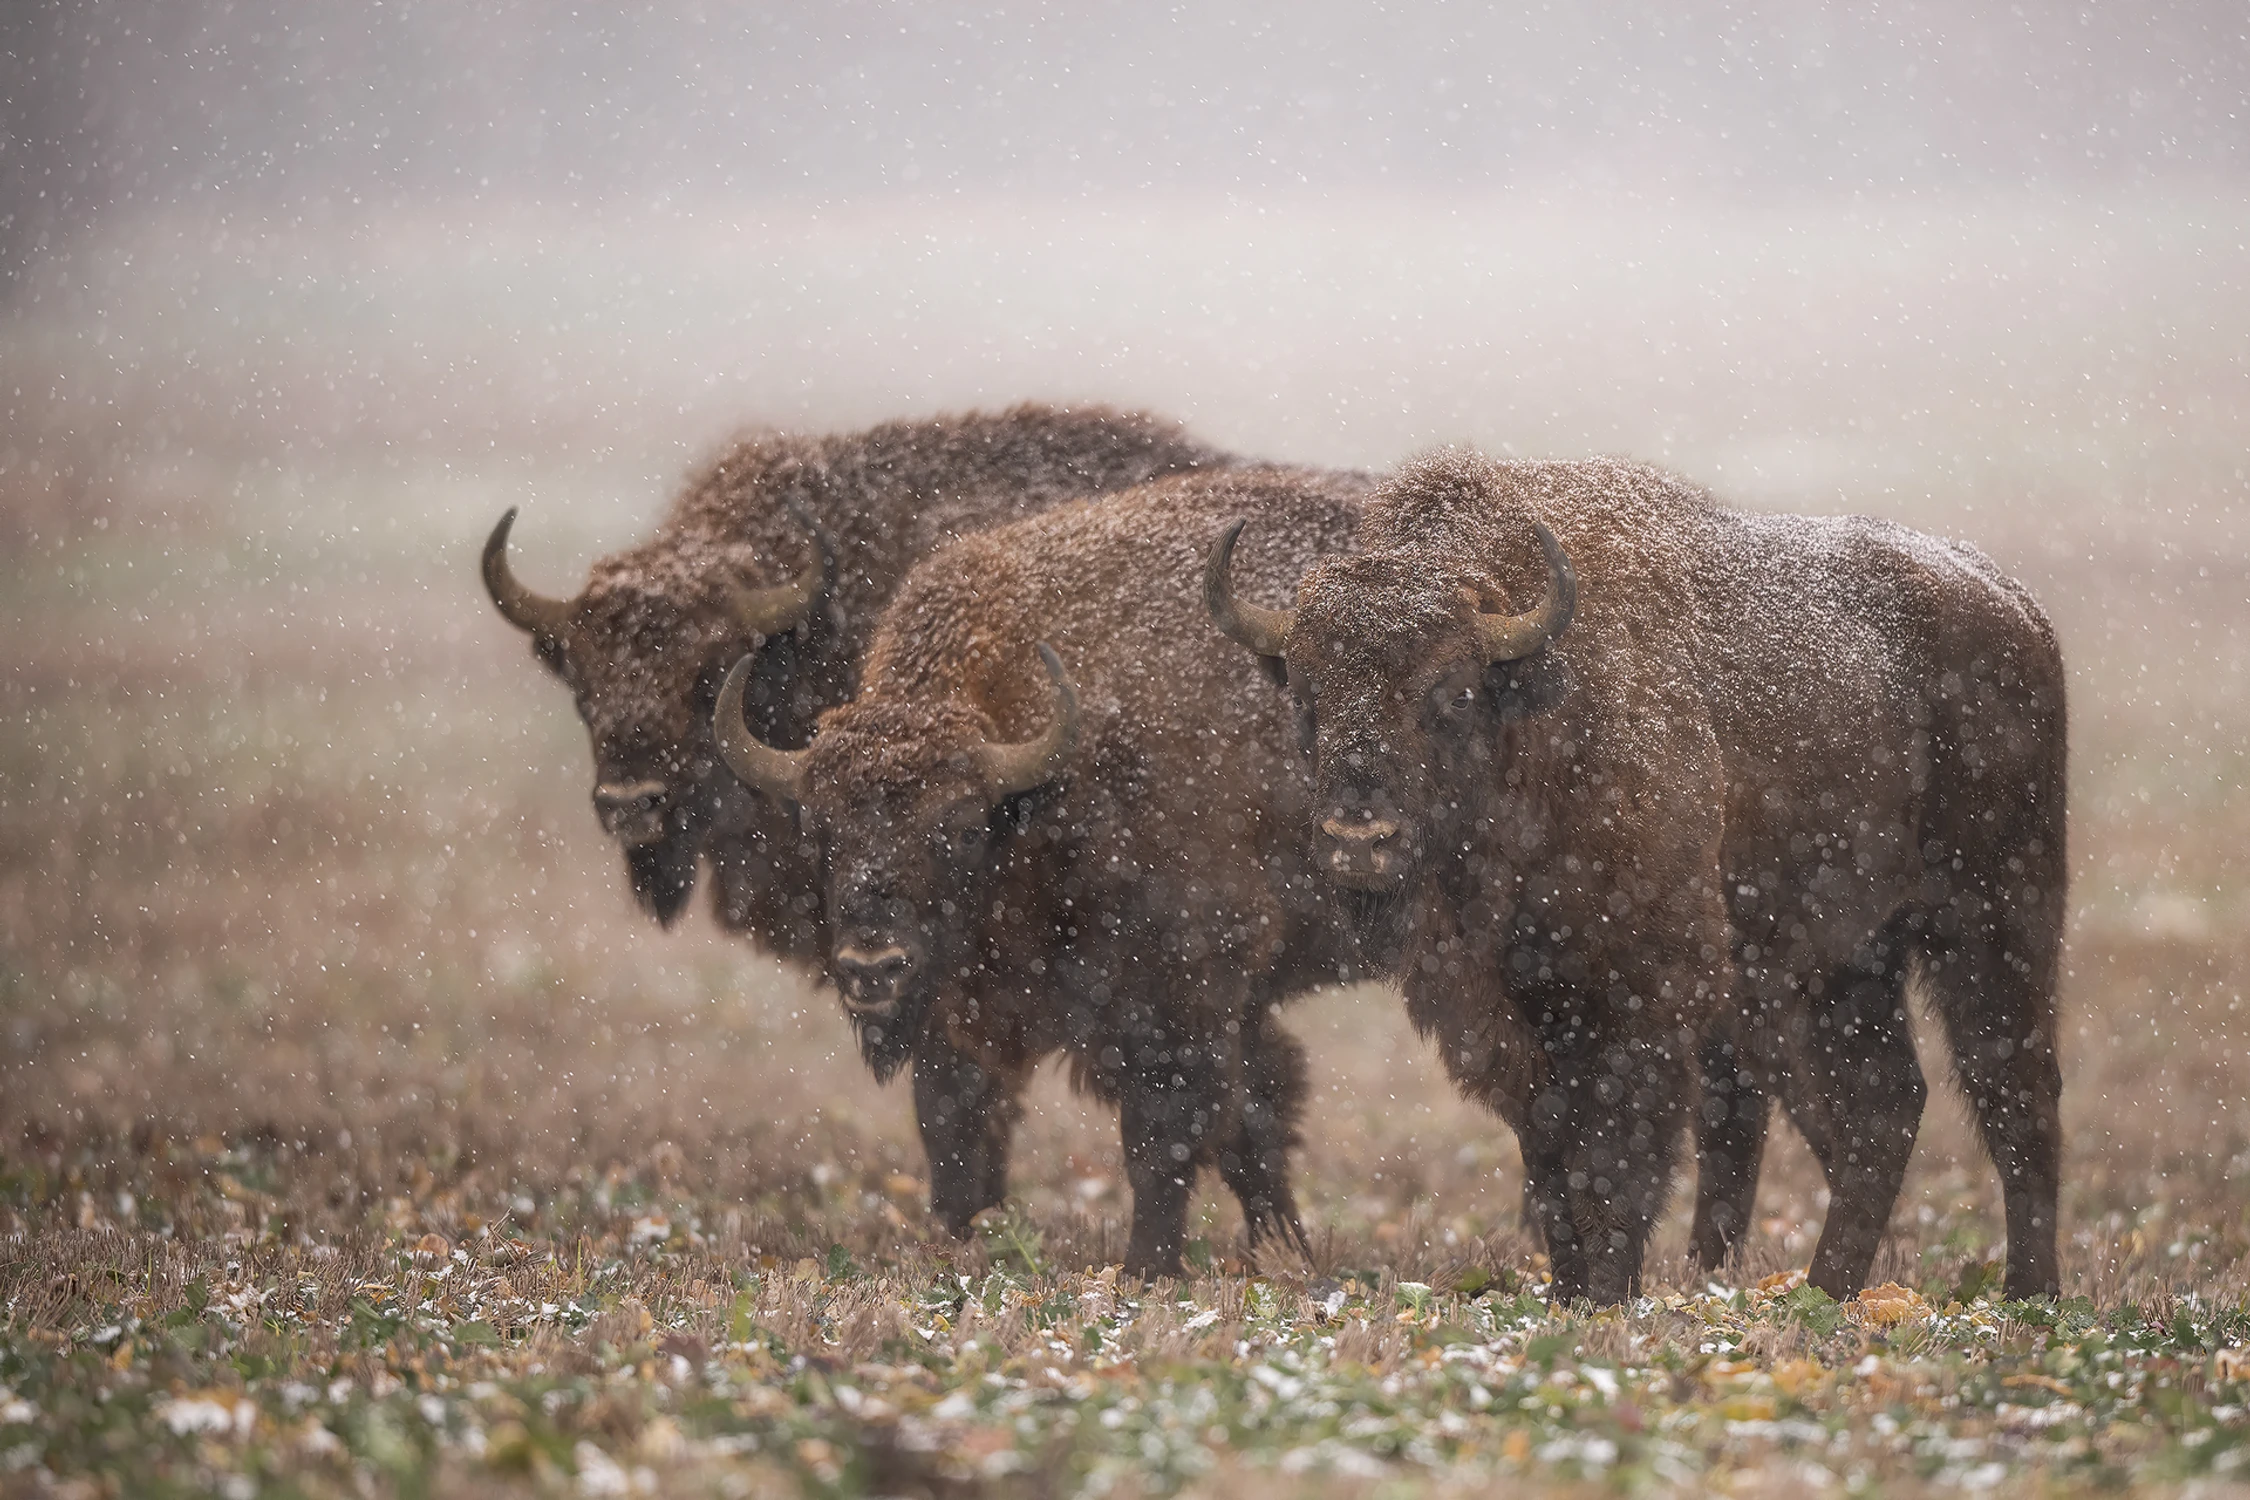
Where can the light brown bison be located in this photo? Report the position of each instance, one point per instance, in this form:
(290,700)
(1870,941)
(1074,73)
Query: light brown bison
(735,568)
(1112,869)
(1669,842)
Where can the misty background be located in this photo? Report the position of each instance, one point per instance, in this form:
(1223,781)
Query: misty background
(344,112)
(837,212)
(296,299)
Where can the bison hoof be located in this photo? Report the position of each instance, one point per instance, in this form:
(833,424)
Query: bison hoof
(958,1222)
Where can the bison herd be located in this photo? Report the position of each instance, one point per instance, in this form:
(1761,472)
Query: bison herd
(1056,731)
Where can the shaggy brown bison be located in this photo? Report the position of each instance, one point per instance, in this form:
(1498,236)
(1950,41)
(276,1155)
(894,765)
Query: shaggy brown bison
(1696,813)
(734,567)
(1111,870)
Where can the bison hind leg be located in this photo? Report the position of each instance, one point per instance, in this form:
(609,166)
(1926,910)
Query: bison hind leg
(1992,983)
(1859,1103)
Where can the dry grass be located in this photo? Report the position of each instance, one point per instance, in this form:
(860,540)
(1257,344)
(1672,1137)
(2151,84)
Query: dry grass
(309,949)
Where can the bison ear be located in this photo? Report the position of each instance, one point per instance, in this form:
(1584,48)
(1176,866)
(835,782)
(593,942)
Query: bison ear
(552,656)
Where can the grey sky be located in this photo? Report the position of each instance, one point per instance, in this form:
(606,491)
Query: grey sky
(329,109)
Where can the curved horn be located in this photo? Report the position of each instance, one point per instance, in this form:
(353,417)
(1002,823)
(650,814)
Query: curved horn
(770,611)
(779,774)
(1018,768)
(1514,637)
(1262,630)
(518,605)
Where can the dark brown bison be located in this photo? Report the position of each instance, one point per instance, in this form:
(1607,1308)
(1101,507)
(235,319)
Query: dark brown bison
(733,568)
(1111,870)
(1669,842)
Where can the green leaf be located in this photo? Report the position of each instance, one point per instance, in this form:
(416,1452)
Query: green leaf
(1814,1308)
(1979,1278)
(475,1335)
(1546,1348)
(742,1320)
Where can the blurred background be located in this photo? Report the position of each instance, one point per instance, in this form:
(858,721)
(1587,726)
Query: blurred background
(295,299)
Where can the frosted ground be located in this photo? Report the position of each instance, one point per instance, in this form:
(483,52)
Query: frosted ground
(354,1128)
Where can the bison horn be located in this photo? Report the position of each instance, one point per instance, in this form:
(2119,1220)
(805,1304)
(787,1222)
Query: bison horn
(1009,769)
(1514,637)
(770,611)
(518,605)
(779,774)
(1262,630)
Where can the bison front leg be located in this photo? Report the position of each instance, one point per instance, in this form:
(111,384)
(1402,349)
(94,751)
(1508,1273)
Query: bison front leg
(1730,1143)
(1619,1108)
(1171,1110)
(967,1114)
(1255,1159)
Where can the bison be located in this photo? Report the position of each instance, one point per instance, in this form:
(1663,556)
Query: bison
(792,544)
(1105,863)
(1668,842)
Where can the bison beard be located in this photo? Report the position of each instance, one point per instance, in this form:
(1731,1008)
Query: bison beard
(1794,762)
(663,875)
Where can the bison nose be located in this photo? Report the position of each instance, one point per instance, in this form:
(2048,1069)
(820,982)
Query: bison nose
(872,977)
(632,811)
(1360,849)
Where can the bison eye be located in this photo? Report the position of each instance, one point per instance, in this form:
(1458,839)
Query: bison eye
(1457,703)
(963,840)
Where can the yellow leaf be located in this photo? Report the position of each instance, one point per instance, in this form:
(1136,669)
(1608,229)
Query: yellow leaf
(2038,1382)
(1795,1377)
(1890,1304)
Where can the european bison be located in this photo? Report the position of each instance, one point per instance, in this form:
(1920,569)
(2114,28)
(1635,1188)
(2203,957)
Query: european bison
(734,567)
(1112,870)
(1719,791)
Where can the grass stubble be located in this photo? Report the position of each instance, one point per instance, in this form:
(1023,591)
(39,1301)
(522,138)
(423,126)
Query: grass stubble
(356,1135)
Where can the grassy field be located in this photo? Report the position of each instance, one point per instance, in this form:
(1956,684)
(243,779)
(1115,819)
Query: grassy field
(356,1135)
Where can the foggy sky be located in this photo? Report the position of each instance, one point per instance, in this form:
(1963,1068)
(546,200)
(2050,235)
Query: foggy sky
(303,109)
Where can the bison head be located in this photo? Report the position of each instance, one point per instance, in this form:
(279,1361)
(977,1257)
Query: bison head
(1405,681)
(642,649)
(905,799)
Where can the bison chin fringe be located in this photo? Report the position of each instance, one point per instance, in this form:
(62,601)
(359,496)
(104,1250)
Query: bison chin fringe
(885,1045)
(1378,922)
(663,876)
